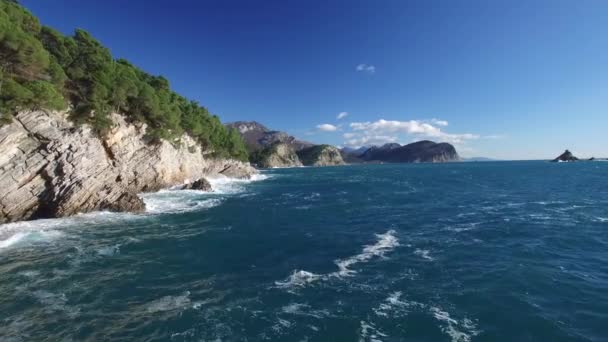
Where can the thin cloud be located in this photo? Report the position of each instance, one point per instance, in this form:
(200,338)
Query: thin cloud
(368,68)
(439,122)
(342,115)
(388,128)
(327,128)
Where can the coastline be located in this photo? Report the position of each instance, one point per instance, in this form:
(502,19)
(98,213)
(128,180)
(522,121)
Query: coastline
(51,168)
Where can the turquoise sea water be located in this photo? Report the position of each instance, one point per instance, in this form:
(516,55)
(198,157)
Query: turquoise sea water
(498,251)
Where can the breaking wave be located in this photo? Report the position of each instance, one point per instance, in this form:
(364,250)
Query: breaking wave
(386,242)
(44,231)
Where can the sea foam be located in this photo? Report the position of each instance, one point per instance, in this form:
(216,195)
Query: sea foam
(161,202)
(386,242)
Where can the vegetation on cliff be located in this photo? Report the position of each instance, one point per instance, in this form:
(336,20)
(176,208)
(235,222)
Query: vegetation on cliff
(42,68)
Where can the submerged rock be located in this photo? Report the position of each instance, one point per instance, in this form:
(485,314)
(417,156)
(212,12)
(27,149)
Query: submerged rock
(567,156)
(52,168)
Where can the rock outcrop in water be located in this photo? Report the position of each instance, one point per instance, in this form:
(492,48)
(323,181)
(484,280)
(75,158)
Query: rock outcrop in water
(567,156)
(50,167)
(320,155)
(200,184)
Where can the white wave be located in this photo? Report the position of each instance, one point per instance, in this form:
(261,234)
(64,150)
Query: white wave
(109,250)
(303,310)
(386,243)
(30,236)
(164,201)
(368,332)
(226,185)
(395,304)
(169,303)
(463,227)
(458,331)
(300,278)
(178,201)
(602,219)
(424,253)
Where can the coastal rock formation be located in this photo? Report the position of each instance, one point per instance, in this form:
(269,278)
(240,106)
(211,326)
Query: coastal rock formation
(419,152)
(52,168)
(200,184)
(320,155)
(257,137)
(567,156)
(278,155)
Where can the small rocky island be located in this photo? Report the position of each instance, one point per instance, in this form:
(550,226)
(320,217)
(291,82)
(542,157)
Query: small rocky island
(567,156)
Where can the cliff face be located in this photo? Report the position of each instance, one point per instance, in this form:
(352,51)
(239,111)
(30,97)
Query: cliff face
(257,137)
(51,168)
(279,155)
(321,155)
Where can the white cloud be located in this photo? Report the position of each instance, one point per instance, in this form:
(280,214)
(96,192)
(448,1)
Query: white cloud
(342,115)
(349,135)
(370,140)
(327,128)
(415,127)
(439,122)
(370,69)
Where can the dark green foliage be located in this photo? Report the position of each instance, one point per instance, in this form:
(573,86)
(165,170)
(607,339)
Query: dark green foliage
(29,76)
(41,68)
(310,154)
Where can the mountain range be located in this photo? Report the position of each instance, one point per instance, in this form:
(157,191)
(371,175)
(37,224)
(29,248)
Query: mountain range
(272,148)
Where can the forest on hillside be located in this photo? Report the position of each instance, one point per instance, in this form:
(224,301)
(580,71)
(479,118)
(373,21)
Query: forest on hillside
(40,68)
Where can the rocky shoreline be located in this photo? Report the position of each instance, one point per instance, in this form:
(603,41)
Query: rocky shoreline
(50,167)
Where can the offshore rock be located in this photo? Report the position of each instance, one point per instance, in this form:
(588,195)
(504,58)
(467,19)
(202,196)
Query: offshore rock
(567,156)
(200,184)
(52,168)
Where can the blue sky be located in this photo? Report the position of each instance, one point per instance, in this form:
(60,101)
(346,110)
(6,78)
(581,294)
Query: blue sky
(505,79)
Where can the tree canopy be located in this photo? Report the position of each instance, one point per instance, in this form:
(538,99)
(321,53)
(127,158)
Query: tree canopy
(42,68)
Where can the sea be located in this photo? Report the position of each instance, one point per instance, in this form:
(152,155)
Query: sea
(478,251)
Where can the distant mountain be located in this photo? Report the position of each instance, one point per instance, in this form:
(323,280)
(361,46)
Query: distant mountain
(422,151)
(258,136)
(351,155)
(268,148)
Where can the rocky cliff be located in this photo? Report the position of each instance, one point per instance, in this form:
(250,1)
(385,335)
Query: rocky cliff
(278,155)
(52,168)
(257,137)
(320,155)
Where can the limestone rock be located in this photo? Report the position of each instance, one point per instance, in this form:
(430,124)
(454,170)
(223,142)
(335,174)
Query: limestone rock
(51,168)
(278,155)
(321,155)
